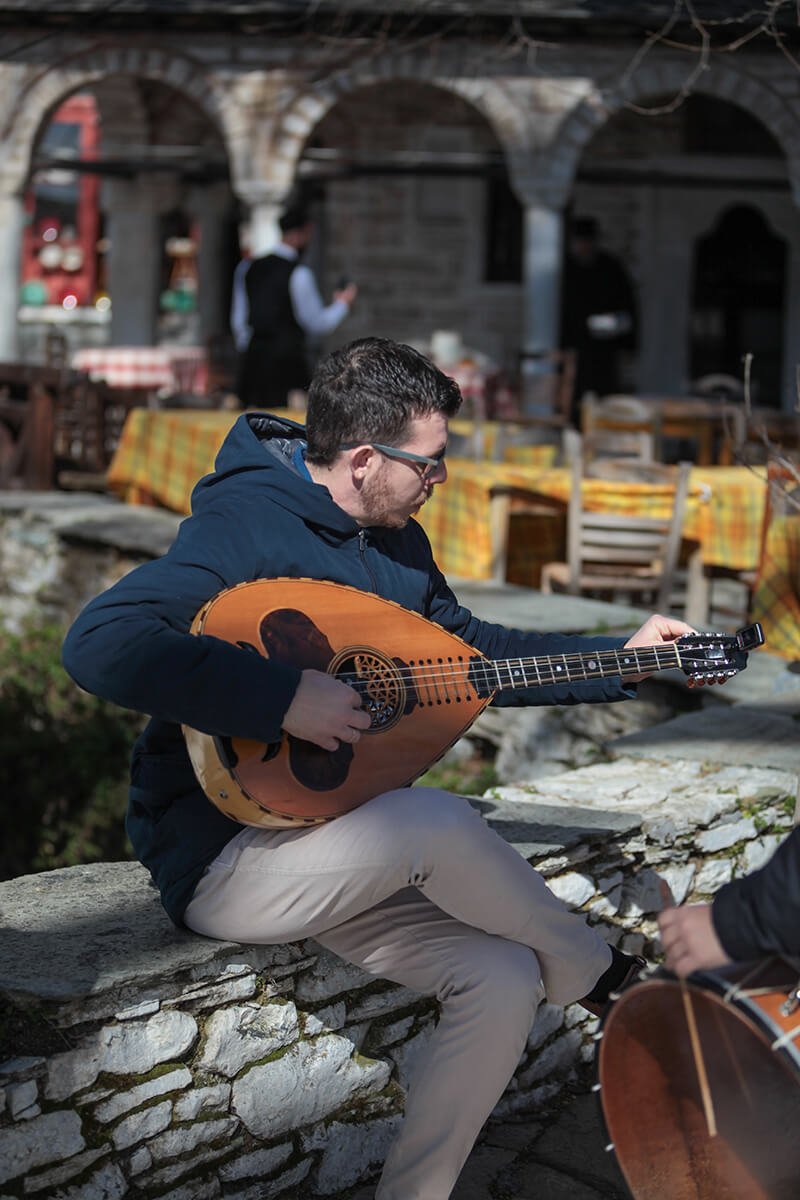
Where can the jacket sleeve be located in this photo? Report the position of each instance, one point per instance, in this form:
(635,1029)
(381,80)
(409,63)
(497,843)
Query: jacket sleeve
(497,641)
(760,914)
(132,644)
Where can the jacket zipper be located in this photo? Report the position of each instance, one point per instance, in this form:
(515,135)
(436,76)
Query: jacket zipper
(362,550)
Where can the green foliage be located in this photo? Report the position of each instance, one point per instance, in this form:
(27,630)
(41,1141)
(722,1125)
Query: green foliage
(468,779)
(63,761)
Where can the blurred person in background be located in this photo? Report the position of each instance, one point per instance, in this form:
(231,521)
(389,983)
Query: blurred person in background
(598,313)
(282,309)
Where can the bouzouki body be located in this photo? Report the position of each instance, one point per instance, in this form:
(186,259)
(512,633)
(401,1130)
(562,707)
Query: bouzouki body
(417,709)
(421,685)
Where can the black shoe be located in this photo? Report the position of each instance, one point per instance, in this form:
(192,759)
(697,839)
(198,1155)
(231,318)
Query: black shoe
(624,969)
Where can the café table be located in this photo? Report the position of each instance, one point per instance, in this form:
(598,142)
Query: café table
(149,368)
(474,534)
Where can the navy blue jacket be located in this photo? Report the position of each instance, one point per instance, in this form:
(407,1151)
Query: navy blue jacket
(759,915)
(257,516)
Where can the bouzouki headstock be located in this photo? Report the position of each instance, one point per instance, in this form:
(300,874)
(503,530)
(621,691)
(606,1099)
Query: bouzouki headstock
(715,657)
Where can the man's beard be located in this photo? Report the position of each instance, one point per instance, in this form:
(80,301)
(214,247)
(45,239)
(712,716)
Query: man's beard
(380,508)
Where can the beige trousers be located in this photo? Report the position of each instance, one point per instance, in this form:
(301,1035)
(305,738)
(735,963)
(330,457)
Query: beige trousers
(415,887)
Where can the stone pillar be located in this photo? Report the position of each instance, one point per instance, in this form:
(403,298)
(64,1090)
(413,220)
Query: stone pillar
(264,205)
(12,218)
(211,205)
(543,243)
(133,224)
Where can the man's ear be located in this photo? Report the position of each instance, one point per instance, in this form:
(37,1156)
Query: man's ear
(360,459)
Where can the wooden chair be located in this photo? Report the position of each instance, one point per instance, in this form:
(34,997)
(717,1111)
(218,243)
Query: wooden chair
(609,554)
(619,426)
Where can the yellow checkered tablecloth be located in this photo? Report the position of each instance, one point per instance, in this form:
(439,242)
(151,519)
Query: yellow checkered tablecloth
(776,599)
(725,511)
(163,453)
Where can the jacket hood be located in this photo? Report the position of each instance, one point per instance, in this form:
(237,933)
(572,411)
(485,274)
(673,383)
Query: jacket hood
(257,457)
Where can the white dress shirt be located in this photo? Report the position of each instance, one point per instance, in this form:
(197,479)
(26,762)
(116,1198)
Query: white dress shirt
(311,314)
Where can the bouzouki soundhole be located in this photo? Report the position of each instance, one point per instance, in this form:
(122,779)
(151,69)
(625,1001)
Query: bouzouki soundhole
(377,677)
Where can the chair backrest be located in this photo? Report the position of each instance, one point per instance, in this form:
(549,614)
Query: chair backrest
(619,426)
(628,544)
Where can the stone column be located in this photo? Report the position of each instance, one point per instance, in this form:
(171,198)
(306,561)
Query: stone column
(12,218)
(264,205)
(133,224)
(543,242)
(211,205)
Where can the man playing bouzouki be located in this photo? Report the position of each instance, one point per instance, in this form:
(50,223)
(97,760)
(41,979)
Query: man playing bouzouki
(412,885)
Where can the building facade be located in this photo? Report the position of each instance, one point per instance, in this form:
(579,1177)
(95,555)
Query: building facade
(442,159)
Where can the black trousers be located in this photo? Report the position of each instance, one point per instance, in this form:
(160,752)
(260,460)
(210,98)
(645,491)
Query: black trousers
(270,372)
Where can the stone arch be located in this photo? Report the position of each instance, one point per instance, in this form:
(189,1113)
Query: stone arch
(40,96)
(558,165)
(280,153)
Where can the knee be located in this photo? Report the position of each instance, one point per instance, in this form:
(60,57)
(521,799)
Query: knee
(429,810)
(507,980)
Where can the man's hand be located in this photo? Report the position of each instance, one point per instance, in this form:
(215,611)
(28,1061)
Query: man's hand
(347,294)
(656,631)
(325,711)
(689,939)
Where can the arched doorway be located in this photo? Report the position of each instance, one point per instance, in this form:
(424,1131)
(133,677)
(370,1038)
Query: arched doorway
(412,201)
(119,229)
(660,183)
(738,292)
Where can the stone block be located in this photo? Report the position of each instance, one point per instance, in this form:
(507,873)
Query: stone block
(121,1102)
(245,1033)
(308,1082)
(141,1125)
(129,1048)
(47,1139)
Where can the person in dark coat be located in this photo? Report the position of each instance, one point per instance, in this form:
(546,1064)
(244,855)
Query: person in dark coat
(598,313)
(748,919)
(281,309)
(413,885)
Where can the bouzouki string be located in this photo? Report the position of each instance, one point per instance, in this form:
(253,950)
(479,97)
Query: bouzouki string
(514,672)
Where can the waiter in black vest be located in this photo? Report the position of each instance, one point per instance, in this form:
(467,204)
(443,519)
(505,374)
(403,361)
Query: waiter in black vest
(284,307)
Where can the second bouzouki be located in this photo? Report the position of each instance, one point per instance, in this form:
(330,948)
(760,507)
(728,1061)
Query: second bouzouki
(421,686)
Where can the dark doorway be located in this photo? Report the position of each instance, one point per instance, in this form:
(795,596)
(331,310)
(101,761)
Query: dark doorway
(738,288)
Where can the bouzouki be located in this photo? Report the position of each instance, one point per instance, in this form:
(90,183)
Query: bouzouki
(421,686)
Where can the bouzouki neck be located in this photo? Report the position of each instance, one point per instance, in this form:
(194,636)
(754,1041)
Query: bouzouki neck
(504,674)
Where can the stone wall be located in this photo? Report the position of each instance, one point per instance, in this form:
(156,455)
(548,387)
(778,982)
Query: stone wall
(147,1062)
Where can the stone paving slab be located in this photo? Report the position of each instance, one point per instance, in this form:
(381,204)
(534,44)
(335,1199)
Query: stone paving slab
(535,828)
(526,608)
(737,734)
(78,931)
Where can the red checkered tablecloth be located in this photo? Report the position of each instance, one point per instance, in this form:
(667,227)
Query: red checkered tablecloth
(173,368)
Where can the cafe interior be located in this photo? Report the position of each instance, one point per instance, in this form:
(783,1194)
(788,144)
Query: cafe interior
(124,375)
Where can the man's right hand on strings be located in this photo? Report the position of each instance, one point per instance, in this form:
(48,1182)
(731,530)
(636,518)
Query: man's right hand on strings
(325,711)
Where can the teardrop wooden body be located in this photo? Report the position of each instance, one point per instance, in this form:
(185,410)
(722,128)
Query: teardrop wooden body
(415,681)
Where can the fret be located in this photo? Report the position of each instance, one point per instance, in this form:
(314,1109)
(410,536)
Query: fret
(518,676)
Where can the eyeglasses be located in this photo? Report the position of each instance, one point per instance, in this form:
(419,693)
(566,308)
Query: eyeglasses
(429,465)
